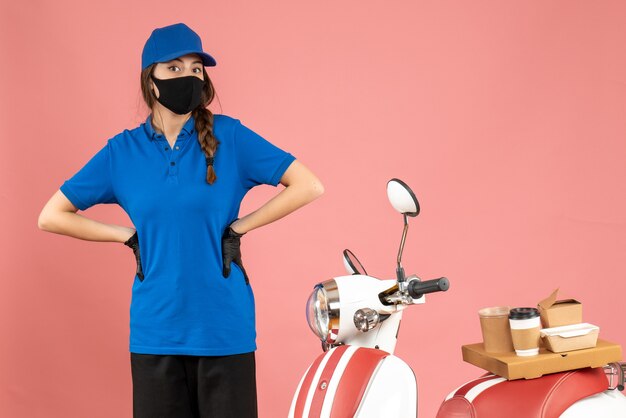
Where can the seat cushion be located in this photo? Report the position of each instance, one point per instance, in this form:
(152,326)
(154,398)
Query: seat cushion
(549,396)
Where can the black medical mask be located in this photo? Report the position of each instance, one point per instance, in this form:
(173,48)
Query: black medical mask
(181,95)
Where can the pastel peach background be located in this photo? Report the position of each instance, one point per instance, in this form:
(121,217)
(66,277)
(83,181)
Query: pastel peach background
(506,118)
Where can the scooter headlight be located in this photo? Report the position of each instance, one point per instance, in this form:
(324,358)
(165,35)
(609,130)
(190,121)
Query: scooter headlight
(322,311)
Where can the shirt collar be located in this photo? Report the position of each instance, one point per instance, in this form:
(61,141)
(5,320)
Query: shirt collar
(188,127)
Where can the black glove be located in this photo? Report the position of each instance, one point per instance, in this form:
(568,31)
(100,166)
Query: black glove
(231,251)
(133,242)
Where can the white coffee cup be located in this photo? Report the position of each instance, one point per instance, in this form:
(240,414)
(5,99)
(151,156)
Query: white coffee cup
(525,329)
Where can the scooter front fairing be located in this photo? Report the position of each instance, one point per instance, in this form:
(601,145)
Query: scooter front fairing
(352,381)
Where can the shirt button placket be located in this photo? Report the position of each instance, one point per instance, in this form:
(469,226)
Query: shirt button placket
(173,168)
(174,158)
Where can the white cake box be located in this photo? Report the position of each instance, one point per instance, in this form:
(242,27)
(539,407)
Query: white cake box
(570,337)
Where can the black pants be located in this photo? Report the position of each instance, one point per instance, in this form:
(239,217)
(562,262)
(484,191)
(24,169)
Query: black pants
(185,386)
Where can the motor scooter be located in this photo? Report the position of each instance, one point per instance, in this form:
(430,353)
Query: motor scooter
(357,319)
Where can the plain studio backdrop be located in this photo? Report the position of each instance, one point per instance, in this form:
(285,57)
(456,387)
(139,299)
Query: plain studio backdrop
(506,118)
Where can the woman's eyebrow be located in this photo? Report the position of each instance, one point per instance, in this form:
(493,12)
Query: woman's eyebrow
(195,62)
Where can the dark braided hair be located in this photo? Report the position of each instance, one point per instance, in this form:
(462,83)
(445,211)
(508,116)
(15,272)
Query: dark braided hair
(203,118)
(208,142)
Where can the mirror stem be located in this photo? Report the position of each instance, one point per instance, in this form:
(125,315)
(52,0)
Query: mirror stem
(400,270)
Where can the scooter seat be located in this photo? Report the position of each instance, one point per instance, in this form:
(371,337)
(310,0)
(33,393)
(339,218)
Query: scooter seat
(549,396)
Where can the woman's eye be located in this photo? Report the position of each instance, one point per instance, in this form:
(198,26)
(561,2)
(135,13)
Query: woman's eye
(175,66)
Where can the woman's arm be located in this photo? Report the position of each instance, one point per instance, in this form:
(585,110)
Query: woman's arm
(302,187)
(59,216)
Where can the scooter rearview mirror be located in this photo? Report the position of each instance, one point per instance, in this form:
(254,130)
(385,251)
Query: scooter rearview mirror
(402,197)
(404,201)
(352,264)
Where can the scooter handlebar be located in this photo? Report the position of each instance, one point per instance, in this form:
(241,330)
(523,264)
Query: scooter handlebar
(418,288)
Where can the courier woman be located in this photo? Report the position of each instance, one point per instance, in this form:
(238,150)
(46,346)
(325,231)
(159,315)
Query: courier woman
(181,176)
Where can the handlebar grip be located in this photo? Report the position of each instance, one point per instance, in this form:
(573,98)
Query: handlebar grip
(417,288)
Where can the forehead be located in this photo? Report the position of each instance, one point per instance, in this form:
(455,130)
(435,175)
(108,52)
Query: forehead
(193,58)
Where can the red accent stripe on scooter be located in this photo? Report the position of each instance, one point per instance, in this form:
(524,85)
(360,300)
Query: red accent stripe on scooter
(354,381)
(327,373)
(462,391)
(306,384)
(308,380)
